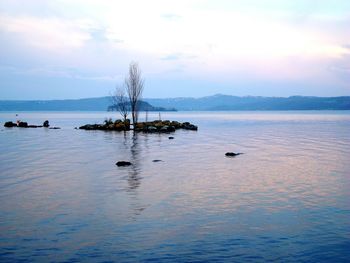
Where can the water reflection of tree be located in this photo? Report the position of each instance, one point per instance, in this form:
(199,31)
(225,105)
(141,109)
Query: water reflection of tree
(134,179)
(137,205)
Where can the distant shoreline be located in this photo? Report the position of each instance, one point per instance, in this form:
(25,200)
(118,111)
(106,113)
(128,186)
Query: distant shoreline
(212,103)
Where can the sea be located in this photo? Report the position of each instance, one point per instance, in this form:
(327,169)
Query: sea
(286,198)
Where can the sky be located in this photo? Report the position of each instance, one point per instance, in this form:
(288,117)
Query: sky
(59,49)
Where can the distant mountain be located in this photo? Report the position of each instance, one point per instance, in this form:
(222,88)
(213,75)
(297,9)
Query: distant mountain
(90,104)
(217,102)
(221,102)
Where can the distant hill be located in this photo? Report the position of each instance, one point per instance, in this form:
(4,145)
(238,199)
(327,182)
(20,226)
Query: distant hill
(90,104)
(221,102)
(211,103)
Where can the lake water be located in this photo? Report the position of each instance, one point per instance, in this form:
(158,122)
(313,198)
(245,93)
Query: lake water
(286,199)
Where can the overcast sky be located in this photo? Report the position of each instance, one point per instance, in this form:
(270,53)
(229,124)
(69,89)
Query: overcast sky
(82,48)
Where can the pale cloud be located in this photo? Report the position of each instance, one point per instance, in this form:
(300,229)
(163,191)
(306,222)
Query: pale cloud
(47,33)
(52,71)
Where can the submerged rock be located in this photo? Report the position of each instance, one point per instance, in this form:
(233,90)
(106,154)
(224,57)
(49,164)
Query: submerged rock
(232,154)
(54,128)
(123,163)
(157,161)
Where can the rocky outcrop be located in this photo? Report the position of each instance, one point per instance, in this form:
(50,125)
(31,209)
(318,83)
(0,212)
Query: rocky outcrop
(23,124)
(156,126)
(109,125)
(189,126)
(10,124)
(164,126)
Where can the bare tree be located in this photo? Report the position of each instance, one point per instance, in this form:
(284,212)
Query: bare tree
(134,87)
(121,103)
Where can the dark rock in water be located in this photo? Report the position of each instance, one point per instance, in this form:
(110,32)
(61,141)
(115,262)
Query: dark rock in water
(22,124)
(171,138)
(90,127)
(123,163)
(231,154)
(10,124)
(46,124)
(118,125)
(157,161)
(152,129)
(189,126)
(54,128)
(164,128)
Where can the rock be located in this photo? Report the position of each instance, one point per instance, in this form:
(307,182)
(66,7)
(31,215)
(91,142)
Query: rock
(46,124)
(123,163)
(89,127)
(231,154)
(34,126)
(22,124)
(54,128)
(171,138)
(164,128)
(189,126)
(157,161)
(10,124)
(152,129)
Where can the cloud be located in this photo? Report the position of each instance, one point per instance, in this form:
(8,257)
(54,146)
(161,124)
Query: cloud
(170,16)
(70,73)
(47,33)
(343,69)
(178,56)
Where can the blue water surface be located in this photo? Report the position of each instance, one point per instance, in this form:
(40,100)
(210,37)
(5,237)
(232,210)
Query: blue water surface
(286,199)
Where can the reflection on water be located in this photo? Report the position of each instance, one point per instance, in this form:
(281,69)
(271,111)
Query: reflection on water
(134,178)
(285,199)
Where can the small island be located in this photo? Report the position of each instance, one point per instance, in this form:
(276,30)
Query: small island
(132,103)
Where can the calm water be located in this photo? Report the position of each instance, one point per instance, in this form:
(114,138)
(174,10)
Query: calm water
(62,198)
